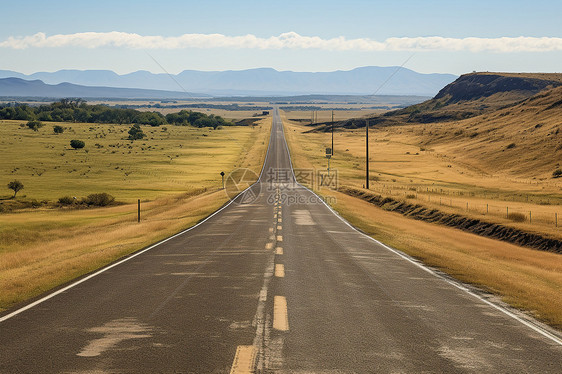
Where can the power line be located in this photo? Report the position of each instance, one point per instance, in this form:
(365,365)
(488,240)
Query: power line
(393,74)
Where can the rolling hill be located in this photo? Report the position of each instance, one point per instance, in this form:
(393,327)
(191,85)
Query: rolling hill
(493,121)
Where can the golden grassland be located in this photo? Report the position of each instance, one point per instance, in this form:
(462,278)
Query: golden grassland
(165,162)
(441,177)
(41,249)
(525,278)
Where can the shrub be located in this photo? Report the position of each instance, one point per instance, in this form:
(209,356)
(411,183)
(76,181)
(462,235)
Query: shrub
(99,199)
(557,173)
(517,217)
(135,133)
(411,196)
(58,129)
(510,146)
(77,144)
(34,125)
(66,200)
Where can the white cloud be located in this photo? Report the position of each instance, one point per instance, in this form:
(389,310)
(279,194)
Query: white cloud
(290,40)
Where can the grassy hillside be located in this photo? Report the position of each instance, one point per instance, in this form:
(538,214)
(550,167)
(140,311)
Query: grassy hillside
(523,139)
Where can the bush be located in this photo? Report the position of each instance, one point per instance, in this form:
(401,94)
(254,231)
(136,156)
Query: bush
(135,133)
(66,200)
(510,146)
(77,144)
(58,129)
(99,199)
(34,125)
(557,173)
(517,217)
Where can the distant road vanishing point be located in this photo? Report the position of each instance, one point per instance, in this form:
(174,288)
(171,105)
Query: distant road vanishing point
(272,283)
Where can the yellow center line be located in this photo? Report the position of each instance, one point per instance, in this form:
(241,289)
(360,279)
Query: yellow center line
(279,227)
(279,238)
(280,316)
(280,220)
(244,360)
(279,251)
(271,229)
(269,246)
(280,270)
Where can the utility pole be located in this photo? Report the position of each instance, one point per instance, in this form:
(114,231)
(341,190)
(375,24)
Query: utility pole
(332,132)
(367,154)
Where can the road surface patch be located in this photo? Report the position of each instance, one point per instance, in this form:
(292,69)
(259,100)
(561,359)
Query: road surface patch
(114,332)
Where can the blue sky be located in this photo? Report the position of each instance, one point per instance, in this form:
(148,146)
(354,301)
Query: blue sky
(365,23)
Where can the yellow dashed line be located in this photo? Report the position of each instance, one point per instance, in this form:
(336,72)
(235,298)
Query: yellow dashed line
(280,317)
(280,270)
(244,360)
(269,246)
(279,238)
(279,227)
(278,251)
(271,229)
(280,220)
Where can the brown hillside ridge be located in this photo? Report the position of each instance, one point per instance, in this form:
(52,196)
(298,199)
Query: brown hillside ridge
(494,122)
(469,96)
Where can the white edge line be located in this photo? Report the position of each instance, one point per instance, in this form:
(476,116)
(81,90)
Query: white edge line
(532,326)
(64,289)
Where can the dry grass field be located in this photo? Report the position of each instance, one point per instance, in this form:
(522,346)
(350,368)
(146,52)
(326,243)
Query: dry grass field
(174,171)
(437,179)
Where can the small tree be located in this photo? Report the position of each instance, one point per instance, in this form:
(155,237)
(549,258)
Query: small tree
(16,186)
(136,133)
(35,125)
(77,144)
(58,129)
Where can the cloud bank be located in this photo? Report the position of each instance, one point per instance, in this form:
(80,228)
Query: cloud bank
(289,40)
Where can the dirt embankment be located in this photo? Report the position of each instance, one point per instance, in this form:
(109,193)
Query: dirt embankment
(475,226)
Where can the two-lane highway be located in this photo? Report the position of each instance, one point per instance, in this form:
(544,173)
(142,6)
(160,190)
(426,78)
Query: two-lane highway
(278,284)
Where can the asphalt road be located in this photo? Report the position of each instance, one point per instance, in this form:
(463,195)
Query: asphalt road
(274,282)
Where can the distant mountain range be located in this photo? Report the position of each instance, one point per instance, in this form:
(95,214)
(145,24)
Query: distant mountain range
(258,82)
(17,87)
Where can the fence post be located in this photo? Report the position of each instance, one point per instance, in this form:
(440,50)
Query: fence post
(138,211)
(507,212)
(530,217)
